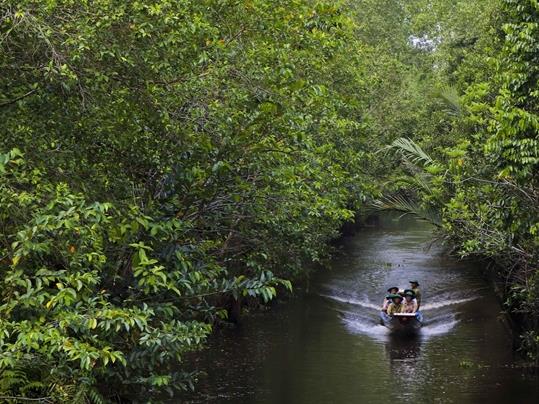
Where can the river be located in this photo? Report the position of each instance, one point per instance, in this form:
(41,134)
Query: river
(328,346)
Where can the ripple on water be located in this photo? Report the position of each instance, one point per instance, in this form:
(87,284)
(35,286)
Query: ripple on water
(361,317)
(334,349)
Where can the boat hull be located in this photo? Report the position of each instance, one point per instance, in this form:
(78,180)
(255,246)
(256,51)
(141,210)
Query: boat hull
(402,322)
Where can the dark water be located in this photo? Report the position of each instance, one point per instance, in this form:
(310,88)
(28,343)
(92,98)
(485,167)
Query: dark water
(328,347)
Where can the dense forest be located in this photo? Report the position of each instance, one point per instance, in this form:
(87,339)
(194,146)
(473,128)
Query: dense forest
(165,163)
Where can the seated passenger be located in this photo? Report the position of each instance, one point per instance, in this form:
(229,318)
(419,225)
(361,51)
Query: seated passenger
(409,304)
(387,299)
(396,305)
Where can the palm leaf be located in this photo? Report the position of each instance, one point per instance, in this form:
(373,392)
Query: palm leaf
(450,97)
(411,151)
(408,206)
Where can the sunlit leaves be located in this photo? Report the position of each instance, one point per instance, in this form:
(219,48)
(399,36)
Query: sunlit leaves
(181,155)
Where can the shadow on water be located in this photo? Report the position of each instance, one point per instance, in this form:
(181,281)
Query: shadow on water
(329,346)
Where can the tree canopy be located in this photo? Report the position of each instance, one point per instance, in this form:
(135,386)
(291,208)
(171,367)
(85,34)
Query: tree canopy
(164,162)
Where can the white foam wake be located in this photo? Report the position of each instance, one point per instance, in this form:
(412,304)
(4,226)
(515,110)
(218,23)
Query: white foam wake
(366,328)
(363,303)
(362,322)
(438,329)
(444,303)
(427,306)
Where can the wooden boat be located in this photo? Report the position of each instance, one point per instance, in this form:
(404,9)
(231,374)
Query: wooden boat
(402,322)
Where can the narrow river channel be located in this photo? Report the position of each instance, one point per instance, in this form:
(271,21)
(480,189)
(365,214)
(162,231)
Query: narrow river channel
(328,346)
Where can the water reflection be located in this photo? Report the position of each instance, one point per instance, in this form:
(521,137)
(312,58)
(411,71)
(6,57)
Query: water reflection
(401,349)
(404,354)
(329,346)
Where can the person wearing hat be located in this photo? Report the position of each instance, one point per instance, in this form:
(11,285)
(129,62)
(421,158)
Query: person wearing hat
(387,299)
(410,303)
(417,291)
(395,306)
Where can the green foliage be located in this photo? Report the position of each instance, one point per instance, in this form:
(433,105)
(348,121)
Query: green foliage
(164,160)
(411,151)
(484,180)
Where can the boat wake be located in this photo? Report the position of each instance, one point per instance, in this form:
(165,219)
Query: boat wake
(376,331)
(355,302)
(438,329)
(448,302)
(366,322)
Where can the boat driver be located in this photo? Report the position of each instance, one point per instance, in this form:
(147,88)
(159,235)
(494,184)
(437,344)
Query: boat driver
(415,289)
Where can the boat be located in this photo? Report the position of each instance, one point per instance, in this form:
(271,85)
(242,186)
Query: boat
(402,322)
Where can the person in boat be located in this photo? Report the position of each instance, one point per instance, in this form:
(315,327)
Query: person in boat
(410,303)
(417,291)
(387,300)
(395,306)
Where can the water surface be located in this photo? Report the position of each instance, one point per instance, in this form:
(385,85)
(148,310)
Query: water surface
(328,346)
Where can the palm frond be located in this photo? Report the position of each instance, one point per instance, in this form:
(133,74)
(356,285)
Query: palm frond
(421,182)
(411,151)
(407,206)
(450,97)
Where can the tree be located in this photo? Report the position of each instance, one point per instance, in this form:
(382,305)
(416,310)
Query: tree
(162,162)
